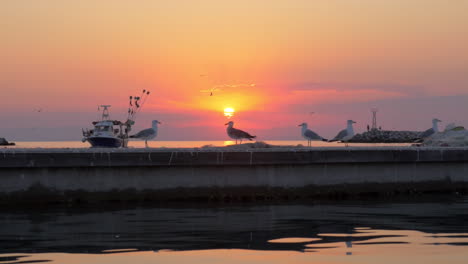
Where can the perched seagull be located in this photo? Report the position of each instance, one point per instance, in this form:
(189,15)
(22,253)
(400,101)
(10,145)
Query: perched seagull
(345,134)
(237,133)
(310,135)
(149,133)
(430,131)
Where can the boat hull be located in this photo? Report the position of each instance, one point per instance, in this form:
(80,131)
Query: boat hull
(105,142)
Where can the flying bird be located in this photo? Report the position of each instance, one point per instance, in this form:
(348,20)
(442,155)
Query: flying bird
(310,135)
(149,133)
(345,134)
(236,134)
(211,90)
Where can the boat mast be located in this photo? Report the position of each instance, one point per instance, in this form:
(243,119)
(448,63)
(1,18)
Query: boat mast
(105,112)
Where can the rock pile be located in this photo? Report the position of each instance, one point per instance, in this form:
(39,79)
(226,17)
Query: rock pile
(257,144)
(4,142)
(254,145)
(386,136)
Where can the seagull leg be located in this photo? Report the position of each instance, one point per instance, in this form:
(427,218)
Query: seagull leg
(146,143)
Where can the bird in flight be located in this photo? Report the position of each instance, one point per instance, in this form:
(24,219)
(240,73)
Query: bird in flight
(211,90)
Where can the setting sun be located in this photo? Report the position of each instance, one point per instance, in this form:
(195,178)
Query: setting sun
(229,112)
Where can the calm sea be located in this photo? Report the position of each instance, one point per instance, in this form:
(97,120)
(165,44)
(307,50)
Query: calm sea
(409,231)
(185,144)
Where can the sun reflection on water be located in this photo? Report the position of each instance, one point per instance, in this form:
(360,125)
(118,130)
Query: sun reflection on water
(370,246)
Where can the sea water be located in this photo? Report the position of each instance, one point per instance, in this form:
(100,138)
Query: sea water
(409,230)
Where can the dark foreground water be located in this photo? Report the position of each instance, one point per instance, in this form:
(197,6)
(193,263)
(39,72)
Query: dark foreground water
(433,230)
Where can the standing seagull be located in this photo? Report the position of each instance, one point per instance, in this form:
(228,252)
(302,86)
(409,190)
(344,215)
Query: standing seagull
(149,133)
(237,133)
(430,131)
(345,134)
(310,135)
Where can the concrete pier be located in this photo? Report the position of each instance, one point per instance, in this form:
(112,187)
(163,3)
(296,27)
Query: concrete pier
(220,174)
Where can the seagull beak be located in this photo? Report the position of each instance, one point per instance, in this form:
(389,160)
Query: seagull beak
(354,122)
(226,124)
(159,122)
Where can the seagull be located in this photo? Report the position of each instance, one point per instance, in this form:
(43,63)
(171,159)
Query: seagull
(211,90)
(430,131)
(345,134)
(310,135)
(237,133)
(149,133)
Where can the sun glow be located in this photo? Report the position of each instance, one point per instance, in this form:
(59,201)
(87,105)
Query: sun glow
(229,112)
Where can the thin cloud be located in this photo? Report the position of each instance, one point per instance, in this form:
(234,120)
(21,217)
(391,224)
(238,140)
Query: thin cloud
(234,85)
(407,89)
(324,96)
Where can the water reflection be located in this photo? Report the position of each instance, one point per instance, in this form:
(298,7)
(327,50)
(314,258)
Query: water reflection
(346,230)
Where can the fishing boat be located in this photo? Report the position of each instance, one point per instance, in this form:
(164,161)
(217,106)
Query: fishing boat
(114,133)
(106,132)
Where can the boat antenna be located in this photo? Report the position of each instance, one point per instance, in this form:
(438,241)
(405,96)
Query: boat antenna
(130,106)
(144,100)
(144,96)
(142,93)
(136,104)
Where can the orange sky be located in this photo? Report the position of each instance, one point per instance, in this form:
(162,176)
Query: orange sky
(333,57)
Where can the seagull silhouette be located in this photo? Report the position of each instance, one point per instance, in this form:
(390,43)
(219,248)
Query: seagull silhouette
(236,134)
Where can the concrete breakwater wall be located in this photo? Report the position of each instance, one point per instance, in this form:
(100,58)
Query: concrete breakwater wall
(160,174)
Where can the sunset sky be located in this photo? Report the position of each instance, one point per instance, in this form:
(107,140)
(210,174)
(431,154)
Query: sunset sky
(272,61)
